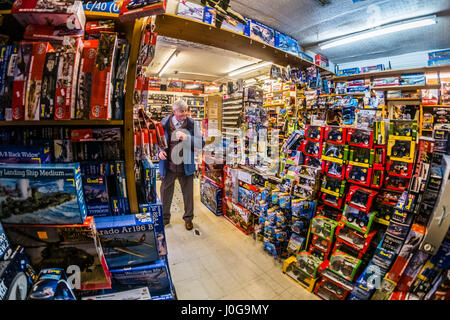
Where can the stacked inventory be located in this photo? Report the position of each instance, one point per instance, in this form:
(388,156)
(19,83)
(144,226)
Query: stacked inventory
(232,113)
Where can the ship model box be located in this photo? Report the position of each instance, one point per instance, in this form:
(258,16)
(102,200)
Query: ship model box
(154,276)
(73,248)
(41,194)
(24,154)
(127,240)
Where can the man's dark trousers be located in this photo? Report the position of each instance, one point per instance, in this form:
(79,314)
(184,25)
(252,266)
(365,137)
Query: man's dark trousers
(187,188)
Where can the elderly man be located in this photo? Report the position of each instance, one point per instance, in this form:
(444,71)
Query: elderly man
(177,161)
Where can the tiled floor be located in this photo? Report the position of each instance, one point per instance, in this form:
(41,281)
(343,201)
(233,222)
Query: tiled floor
(221,262)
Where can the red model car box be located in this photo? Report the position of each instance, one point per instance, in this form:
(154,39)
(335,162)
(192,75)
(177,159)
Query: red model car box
(36,32)
(101,92)
(69,61)
(67,13)
(133,9)
(34,83)
(85,81)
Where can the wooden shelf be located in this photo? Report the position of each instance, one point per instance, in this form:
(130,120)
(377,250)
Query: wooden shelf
(404,88)
(436,105)
(169,25)
(399,72)
(403,99)
(93,123)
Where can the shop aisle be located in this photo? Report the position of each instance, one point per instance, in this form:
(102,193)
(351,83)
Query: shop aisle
(220,262)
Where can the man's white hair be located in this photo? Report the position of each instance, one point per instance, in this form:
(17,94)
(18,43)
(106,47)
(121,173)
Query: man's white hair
(179,104)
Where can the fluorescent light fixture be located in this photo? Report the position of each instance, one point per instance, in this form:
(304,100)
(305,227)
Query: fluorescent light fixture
(250,81)
(168,63)
(249,68)
(406,25)
(263,78)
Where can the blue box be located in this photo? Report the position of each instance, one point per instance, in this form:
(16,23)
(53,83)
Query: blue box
(378,67)
(211,196)
(209,18)
(441,54)
(24,154)
(4,243)
(52,284)
(154,276)
(304,56)
(348,72)
(412,79)
(260,32)
(41,194)
(155,211)
(286,43)
(96,196)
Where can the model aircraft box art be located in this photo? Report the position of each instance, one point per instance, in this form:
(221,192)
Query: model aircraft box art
(41,194)
(259,32)
(228,23)
(74,248)
(286,43)
(134,9)
(128,240)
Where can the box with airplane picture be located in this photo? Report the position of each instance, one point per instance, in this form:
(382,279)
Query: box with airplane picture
(187,9)
(128,240)
(259,32)
(41,194)
(228,23)
(286,43)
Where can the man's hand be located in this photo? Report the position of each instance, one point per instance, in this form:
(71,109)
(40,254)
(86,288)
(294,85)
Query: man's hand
(181,135)
(162,155)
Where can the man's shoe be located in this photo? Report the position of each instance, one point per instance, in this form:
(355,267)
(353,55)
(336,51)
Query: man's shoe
(166,222)
(189,225)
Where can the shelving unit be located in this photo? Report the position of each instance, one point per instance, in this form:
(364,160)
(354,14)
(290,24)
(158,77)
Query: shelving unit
(232,108)
(421,117)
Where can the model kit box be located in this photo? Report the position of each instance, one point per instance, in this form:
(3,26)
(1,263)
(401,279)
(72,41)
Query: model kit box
(348,72)
(128,240)
(239,216)
(4,243)
(63,12)
(101,92)
(231,183)
(68,247)
(6,52)
(154,276)
(133,9)
(191,10)
(16,275)
(34,80)
(68,66)
(96,196)
(286,43)
(155,211)
(120,78)
(133,294)
(48,89)
(34,32)
(102,8)
(41,194)
(21,72)
(259,32)
(85,81)
(211,196)
(51,284)
(229,23)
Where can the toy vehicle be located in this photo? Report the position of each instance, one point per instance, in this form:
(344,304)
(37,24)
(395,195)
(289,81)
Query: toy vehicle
(343,266)
(307,265)
(335,169)
(396,183)
(360,198)
(359,155)
(314,162)
(334,288)
(333,151)
(360,137)
(358,174)
(334,135)
(314,133)
(401,149)
(312,148)
(360,218)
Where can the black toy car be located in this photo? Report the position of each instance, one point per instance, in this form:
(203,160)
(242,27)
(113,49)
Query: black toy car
(307,265)
(334,151)
(313,133)
(312,148)
(401,149)
(334,135)
(360,198)
(360,137)
(334,288)
(357,174)
(343,266)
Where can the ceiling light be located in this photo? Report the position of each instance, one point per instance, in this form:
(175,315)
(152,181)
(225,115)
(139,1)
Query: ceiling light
(263,78)
(168,63)
(406,25)
(249,68)
(250,81)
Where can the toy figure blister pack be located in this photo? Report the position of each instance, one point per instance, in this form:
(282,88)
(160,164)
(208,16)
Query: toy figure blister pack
(335,134)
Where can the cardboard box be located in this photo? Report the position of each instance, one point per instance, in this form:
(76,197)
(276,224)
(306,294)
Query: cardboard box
(21,72)
(123,52)
(62,151)
(259,32)
(67,247)
(48,90)
(4,243)
(191,10)
(193,87)
(286,43)
(96,196)
(34,32)
(101,92)
(103,9)
(34,80)
(154,276)
(24,154)
(132,9)
(155,211)
(85,79)
(5,54)
(68,66)
(147,47)
(51,284)
(42,194)
(62,12)
(133,294)
(229,23)
(128,240)
(239,216)
(211,196)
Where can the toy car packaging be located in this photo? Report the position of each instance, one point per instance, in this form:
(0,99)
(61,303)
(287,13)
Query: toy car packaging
(68,247)
(323,227)
(102,91)
(212,168)
(396,183)
(344,265)
(335,134)
(363,157)
(357,219)
(134,9)
(334,201)
(128,240)
(308,263)
(359,175)
(335,169)
(239,216)
(51,284)
(399,168)
(312,149)
(330,290)
(68,13)
(360,138)
(211,196)
(377,179)
(314,162)
(16,275)
(68,67)
(333,186)
(34,79)
(401,149)
(360,198)
(21,72)
(321,244)
(85,81)
(352,237)
(403,128)
(314,133)
(334,152)
(42,194)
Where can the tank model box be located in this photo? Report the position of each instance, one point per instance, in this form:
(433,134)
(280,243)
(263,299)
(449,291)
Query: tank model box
(74,248)
(48,90)
(85,79)
(128,240)
(16,275)
(67,13)
(24,154)
(4,243)
(134,9)
(154,276)
(41,194)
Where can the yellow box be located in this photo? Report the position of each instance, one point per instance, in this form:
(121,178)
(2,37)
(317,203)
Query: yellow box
(301,278)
